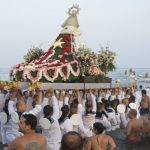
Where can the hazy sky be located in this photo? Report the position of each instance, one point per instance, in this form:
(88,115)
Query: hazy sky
(125,24)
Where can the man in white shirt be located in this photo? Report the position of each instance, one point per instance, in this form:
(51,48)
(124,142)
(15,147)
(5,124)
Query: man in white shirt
(53,134)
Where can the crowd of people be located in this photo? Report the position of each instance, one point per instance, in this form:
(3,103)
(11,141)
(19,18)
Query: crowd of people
(72,119)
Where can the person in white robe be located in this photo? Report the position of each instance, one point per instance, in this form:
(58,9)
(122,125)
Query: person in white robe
(53,134)
(102,117)
(64,121)
(12,129)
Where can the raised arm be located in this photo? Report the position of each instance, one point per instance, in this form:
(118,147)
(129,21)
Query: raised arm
(55,107)
(93,101)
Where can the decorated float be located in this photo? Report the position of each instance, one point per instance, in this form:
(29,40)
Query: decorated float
(67,60)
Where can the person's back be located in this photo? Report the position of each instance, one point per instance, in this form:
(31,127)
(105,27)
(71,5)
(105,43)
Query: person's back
(32,146)
(145,126)
(133,127)
(145,103)
(27,125)
(24,142)
(100,142)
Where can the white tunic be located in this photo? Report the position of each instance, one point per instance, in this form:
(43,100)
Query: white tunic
(12,131)
(88,120)
(55,105)
(11,107)
(53,136)
(45,102)
(104,121)
(29,104)
(66,126)
(112,119)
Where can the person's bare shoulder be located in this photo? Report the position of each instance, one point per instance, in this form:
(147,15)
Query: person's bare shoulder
(16,144)
(42,137)
(106,137)
(130,123)
(111,142)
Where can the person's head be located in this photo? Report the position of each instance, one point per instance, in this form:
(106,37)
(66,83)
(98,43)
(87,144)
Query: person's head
(73,108)
(98,128)
(36,99)
(132,99)
(28,123)
(103,100)
(125,101)
(26,94)
(48,111)
(132,114)
(71,141)
(50,91)
(65,110)
(140,87)
(21,106)
(143,92)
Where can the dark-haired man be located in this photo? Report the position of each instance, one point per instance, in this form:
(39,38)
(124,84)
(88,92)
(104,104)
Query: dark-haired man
(100,141)
(71,141)
(53,134)
(27,126)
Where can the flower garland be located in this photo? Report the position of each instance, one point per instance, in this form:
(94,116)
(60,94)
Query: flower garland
(75,73)
(65,75)
(95,71)
(28,74)
(31,67)
(46,75)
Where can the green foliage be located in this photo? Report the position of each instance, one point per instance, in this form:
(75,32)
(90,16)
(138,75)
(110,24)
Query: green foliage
(106,60)
(87,58)
(33,53)
(19,76)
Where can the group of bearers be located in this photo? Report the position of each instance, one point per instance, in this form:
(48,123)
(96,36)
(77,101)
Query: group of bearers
(72,120)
